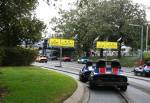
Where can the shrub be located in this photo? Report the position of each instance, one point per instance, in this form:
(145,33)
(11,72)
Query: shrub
(1,55)
(146,56)
(17,56)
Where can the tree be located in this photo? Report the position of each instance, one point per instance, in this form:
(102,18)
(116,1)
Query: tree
(31,30)
(117,15)
(103,18)
(17,23)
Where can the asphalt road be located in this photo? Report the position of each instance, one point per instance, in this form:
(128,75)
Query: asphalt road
(138,91)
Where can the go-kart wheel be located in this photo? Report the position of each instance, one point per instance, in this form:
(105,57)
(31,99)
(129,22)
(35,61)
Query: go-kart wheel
(123,88)
(135,73)
(144,74)
(82,79)
(91,84)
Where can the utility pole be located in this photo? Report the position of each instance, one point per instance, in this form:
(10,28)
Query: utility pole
(147,38)
(141,44)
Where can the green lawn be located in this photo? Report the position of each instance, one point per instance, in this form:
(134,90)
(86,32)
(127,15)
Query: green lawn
(34,85)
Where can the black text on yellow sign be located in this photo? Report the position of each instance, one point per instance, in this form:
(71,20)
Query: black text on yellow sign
(61,42)
(106,45)
(54,42)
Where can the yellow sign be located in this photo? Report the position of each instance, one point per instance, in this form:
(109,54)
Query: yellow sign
(61,42)
(54,42)
(67,43)
(106,45)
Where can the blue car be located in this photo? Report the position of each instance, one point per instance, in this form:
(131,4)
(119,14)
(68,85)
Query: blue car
(105,73)
(83,60)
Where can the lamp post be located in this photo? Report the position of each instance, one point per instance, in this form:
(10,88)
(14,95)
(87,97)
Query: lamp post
(141,26)
(146,37)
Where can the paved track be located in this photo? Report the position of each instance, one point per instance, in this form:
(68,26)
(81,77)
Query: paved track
(137,91)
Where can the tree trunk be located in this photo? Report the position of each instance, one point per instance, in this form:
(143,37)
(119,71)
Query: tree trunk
(88,53)
(101,53)
(26,44)
(119,50)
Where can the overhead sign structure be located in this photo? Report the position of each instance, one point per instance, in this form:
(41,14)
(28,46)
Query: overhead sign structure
(106,45)
(61,42)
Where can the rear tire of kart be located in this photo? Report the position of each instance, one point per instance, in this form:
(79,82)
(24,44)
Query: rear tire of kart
(91,84)
(144,74)
(123,88)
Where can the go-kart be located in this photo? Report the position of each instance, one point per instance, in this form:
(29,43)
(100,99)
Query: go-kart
(143,70)
(104,73)
(86,71)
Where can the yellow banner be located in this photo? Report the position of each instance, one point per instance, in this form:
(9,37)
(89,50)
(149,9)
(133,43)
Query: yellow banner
(61,42)
(54,42)
(67,43)
(106,45)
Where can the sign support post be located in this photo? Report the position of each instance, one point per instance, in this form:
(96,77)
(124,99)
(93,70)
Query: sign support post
(60,42)
(60,64)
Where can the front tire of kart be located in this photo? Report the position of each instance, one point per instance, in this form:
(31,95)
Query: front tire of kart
(135,73)
(123,88)
(82,79)
(91,84)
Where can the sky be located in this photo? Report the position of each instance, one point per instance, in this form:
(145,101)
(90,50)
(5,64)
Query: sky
(45,12)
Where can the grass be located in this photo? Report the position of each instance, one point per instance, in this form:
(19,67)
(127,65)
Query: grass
(34,85)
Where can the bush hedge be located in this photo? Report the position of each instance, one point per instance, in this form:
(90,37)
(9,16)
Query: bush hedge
(1,55)
(146,56)
(17,56)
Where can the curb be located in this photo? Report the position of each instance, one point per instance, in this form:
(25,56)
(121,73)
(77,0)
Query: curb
(130,76)
(81,95)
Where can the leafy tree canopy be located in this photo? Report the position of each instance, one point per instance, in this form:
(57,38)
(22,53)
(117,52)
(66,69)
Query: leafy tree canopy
(103,19)
(17,22)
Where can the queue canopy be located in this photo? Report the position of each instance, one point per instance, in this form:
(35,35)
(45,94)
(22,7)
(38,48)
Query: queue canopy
(59,42)
(106,45)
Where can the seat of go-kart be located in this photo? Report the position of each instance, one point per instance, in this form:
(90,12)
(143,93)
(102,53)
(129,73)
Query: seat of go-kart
(101,66)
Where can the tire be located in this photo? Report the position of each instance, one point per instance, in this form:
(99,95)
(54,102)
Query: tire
(82,79)
(123,88)
(144,74)
(135,73)
(91,84)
